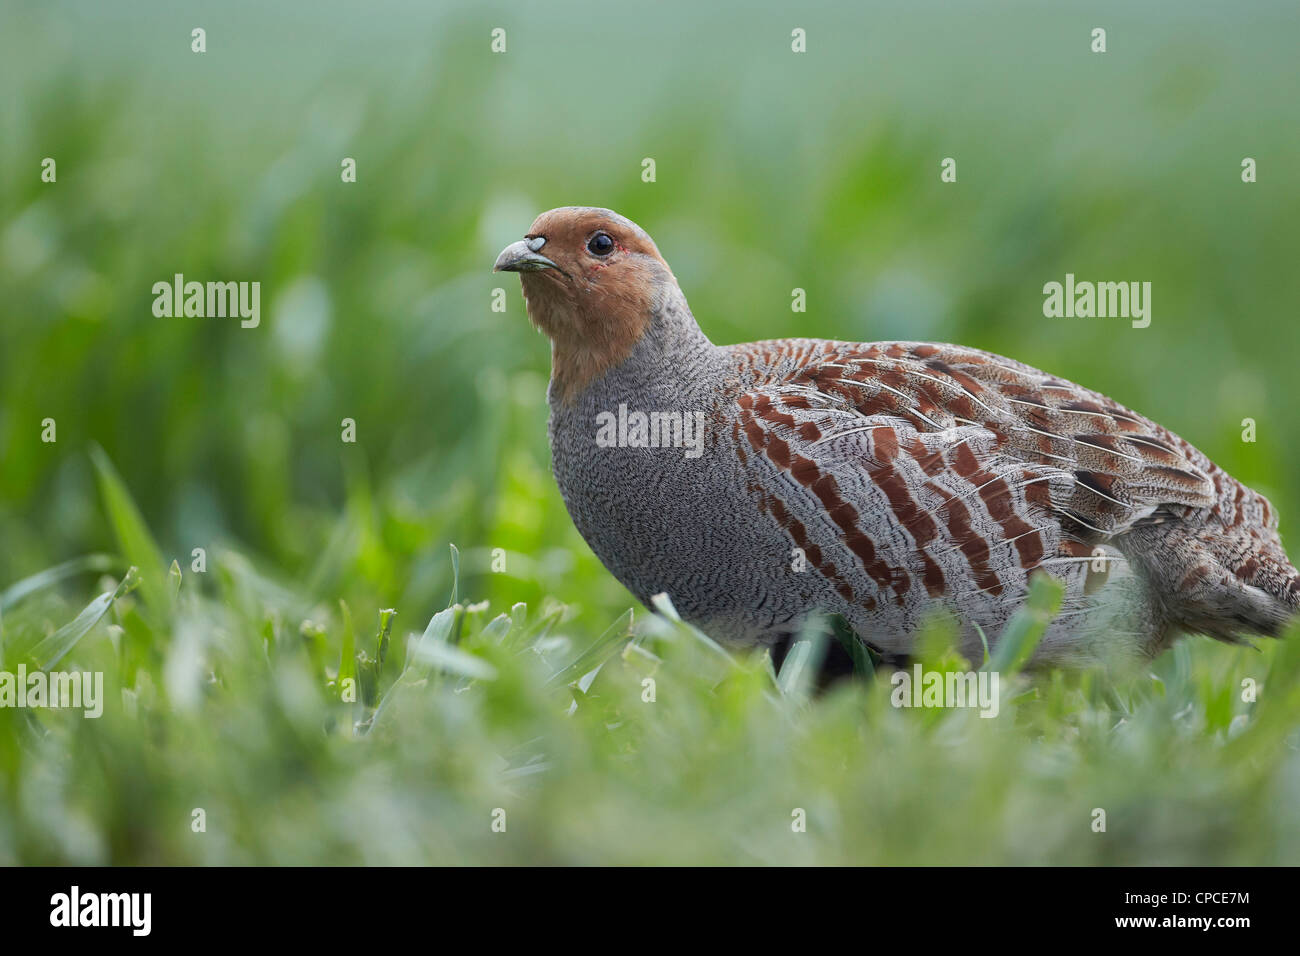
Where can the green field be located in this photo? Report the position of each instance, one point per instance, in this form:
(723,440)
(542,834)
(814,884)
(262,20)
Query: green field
(774,171)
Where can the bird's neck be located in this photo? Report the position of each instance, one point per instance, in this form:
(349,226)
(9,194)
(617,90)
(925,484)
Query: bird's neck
(670,362)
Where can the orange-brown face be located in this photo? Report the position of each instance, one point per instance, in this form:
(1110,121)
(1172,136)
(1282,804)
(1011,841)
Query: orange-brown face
(592,281)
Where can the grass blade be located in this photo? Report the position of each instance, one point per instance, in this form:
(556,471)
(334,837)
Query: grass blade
(51,576)
(1020,637)
(138,545)
(455,574)
(604,647)
(348,654)
(53,648)
(449,658)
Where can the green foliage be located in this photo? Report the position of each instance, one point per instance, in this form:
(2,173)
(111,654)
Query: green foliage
(650,744)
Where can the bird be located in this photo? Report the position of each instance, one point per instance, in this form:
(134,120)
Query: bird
(878,483)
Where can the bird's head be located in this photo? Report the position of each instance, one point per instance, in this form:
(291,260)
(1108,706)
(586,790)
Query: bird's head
(593,282)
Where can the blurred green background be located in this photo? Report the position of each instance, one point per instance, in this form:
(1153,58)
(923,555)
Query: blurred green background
(775,170)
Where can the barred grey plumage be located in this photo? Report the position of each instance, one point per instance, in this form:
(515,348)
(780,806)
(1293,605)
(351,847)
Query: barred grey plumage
(877,481)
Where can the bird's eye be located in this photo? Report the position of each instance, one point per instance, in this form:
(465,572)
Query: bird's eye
(600,244)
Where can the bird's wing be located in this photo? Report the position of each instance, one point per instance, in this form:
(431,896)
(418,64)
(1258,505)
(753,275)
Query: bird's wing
(942,471)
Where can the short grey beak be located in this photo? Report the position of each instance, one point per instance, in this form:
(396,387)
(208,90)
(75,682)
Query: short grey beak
(521,257)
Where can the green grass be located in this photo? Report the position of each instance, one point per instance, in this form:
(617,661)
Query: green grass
(232,701)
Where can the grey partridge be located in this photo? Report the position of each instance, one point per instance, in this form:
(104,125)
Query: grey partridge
(880,482)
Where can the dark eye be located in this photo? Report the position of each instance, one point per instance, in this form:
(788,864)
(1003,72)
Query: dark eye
(600,244)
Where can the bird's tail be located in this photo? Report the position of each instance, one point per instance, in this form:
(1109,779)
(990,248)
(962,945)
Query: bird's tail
(1225,582)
